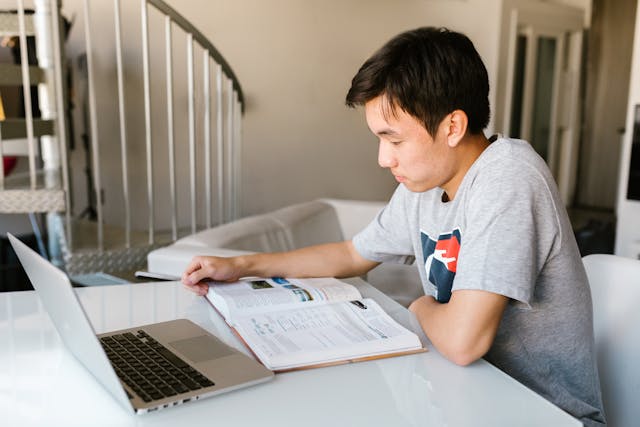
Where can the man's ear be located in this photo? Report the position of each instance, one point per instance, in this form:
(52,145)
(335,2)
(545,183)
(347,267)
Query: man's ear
(456,127)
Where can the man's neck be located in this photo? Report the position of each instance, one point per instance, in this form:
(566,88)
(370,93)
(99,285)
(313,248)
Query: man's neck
(467,151)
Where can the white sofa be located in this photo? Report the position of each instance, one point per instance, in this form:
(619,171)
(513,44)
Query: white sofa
(295,226)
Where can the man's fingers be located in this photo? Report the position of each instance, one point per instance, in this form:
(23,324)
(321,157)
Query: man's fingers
(199,288)
(198,276)
(203,268)
(196,271)
(195,264)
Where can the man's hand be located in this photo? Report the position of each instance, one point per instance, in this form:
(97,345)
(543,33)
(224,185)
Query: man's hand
(202,268)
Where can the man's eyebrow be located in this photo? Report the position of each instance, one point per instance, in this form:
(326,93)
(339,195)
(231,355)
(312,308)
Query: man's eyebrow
(388,132)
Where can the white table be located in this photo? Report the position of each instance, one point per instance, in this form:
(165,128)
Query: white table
(41,384)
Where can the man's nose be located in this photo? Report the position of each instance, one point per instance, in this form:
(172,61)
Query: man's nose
(386,159)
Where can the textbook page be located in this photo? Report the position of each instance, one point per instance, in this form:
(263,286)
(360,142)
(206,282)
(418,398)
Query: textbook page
(257,295)
(285,339)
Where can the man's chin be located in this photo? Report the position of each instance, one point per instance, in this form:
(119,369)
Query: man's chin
(416,188)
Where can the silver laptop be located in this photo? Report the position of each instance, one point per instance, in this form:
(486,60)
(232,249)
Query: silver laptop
(148,367)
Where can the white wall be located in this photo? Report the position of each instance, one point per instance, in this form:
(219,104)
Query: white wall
(295,61)
(628,225)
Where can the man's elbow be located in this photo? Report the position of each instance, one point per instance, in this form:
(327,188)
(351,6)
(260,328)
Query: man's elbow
(462,358)
(464,353)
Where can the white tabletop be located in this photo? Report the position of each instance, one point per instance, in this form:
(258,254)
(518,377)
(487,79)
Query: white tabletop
(41,384)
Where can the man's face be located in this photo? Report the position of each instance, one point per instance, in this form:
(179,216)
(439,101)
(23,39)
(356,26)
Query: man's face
(414,158)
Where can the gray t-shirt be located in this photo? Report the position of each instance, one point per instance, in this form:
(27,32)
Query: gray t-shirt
(506,232)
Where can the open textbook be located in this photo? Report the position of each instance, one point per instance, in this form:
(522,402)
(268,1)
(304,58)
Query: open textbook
(300,323)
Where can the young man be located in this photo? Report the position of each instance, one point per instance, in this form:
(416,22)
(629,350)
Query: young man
(499,264)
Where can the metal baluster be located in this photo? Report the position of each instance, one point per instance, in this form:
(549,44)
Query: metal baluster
(61,118)
(220,144)
(147,117)
(123,126)
(94,125)
(230,149)
(192,130)
(238,151)
(26,91)
(207,136)
(170,136)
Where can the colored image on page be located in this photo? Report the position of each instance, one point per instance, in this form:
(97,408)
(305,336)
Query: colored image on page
(302,294)
(260,284)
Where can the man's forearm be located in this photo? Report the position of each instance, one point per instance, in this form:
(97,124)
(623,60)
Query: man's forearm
(327,260)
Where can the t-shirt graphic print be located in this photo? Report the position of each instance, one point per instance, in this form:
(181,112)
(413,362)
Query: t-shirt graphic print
(441,260)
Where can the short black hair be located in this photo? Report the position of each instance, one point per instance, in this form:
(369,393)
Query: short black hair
(427,72)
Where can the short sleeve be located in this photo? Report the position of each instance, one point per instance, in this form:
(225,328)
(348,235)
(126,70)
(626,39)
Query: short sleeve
(387,238)
(511,228)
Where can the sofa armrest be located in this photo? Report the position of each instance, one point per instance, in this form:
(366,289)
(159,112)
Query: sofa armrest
(291,227)
(173,259)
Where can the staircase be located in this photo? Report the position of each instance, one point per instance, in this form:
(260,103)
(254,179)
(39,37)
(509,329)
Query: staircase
(211,138)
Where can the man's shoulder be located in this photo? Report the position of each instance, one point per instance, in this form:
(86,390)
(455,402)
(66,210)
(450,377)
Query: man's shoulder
(512,161)
(512,150)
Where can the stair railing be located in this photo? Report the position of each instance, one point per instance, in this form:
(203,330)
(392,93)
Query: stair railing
(225,96)
(45,189)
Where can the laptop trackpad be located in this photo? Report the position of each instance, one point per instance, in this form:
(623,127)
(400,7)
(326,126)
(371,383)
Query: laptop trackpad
(199,349)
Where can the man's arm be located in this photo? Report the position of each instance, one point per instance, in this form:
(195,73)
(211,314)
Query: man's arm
(327,260)
(463,329)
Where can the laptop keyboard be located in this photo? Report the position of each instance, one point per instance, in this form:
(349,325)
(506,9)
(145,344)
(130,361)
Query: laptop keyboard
(149,368)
